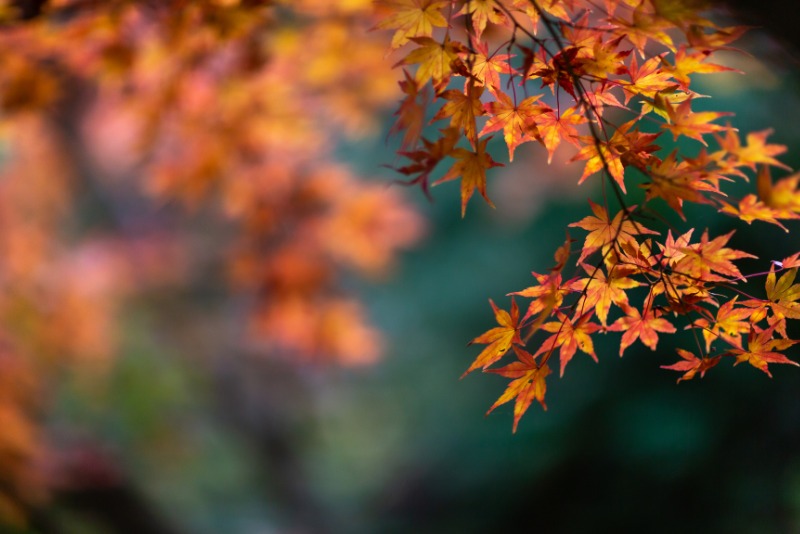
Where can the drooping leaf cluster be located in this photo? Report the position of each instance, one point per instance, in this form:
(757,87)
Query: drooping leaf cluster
(612,79)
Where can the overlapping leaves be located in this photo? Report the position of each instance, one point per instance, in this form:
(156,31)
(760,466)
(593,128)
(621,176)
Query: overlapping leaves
(543,72)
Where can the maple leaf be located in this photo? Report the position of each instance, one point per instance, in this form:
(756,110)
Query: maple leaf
(783,196)
(671,249)
(434,58)
(644,25)
(645,329)
(693,62)
(647,80)
(783,289)
(554,128)
(627,146)
(790,261)
(729,324)
(562,254)
(554,8)
(681,14)
(707,256)
(482,12)
(516,121)
(605,59)
(528,384)
(471,167)
(463,107)
(683,121)
(560,70)
(499,339)
(603,96)
(676,182)
(636,147)
(600,292)
(752,209)
(718,39)
(487,68)
(756,151)
(601,156)
(656,104)
(691,365)
(547,296)
(413,18)
(410,113)
(570,336)
(783,294)
(603,232)
(761,350)
(426,159)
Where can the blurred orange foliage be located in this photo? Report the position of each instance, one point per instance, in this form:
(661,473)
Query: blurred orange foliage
(229,109)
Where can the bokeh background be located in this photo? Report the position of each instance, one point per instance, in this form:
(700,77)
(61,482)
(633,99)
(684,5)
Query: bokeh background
(184,437)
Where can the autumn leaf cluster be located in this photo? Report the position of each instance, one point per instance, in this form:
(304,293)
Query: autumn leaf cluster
(612,79)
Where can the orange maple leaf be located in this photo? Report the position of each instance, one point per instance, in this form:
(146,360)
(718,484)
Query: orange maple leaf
(729,324)
(562,254)
(691,365)
(648,80)
(790,261)
(547,296)
(706,257)
(601,156)
(718,39)
(516,121)
(486,68)
(783,196)
(645,329)
(604,59)
(693,62)
(412,18)
(471,167)
(752,209)
(601,291)
(645,24)
(677,182)
(569,336)
(482,12)
(558,70)
(554,128)
(434,58)
(603,232)
(761,350)
(528,384)
(554,8)
(756,151)
(462,108)
(498,339)
(683,121)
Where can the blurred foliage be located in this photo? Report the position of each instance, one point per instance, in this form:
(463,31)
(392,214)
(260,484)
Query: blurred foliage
(402,446)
